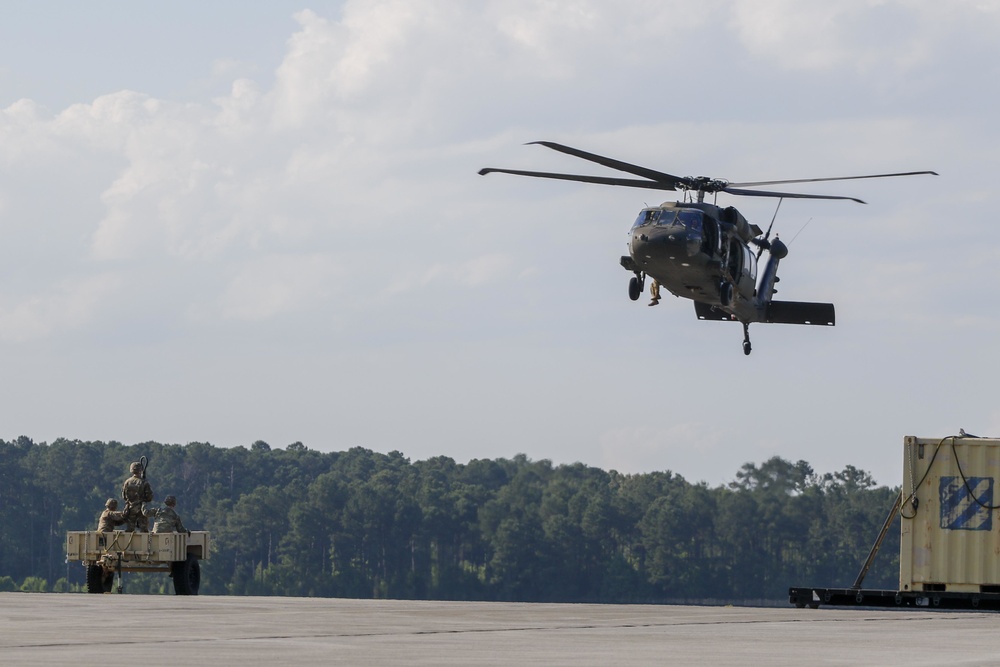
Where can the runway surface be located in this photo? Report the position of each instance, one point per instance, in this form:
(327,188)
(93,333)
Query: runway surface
(81,629)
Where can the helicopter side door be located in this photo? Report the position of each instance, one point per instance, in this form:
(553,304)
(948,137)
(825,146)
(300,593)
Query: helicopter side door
(746,281)
(742,268)
(710,237)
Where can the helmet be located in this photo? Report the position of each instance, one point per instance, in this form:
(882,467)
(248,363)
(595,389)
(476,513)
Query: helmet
(170,500)
(135,467)
(111,503)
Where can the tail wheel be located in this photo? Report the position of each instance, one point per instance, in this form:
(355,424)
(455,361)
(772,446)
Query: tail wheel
(187,575)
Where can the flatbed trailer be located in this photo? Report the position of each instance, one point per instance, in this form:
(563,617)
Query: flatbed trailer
(107,554)
(860,597)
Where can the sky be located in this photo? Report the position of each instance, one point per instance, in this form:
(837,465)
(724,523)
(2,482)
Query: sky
(228,222)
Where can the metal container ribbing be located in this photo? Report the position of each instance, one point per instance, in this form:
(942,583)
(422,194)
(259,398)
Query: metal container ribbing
(950,526)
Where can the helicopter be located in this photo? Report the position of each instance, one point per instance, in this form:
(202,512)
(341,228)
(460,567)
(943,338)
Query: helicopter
(702,251)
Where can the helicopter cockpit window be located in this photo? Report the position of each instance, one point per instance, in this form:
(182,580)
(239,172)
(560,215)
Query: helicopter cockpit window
(648,217)
(690,220)
(665,217)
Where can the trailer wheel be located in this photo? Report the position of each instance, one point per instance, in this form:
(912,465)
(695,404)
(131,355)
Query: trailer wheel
(187,575)
(96,581)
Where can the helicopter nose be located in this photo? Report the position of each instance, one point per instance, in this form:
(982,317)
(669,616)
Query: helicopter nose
(670,245)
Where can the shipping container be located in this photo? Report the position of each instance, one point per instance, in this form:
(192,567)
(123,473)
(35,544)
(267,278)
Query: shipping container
(949,528)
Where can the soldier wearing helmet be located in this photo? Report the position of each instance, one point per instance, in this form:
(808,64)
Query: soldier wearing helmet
(136,491)
(110,517)
(166,519)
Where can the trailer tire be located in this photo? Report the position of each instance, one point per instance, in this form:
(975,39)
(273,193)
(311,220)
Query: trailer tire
(96,582)
(186,575)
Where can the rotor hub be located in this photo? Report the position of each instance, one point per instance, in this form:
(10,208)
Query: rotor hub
(704,184)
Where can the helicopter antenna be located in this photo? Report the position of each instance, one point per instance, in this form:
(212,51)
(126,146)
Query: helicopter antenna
(800,231)
(762,244)
(768,232)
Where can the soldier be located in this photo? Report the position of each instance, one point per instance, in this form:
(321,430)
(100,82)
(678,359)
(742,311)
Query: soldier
(136,490)
(110,517)
(166,518)
(654,292)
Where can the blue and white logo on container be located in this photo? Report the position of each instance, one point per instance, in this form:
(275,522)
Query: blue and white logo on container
(962,510)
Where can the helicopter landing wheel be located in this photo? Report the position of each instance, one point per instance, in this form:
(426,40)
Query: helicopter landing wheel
(634,288)
(746,339)
(746,347)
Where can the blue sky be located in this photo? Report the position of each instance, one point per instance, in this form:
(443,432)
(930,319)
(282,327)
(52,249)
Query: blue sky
(227,223)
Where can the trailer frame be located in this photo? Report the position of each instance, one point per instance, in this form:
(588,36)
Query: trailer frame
(105,555)
(814,597)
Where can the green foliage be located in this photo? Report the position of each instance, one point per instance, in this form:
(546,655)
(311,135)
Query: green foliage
(62,585)
(34,585)
(358,523)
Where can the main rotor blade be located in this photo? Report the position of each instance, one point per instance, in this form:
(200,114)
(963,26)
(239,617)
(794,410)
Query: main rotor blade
(651,174)
(784,195)
(836,178)
(601,180)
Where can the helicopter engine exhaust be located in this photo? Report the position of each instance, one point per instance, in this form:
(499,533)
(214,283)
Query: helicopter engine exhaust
(778,249)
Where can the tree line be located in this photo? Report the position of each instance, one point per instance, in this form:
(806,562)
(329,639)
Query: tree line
(361,524)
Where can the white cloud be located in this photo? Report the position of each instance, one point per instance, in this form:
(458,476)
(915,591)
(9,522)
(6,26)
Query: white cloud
(279,285)
(66,307)
(865,36)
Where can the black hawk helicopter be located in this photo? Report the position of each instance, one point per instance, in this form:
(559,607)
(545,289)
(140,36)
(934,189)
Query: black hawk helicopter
(701,251)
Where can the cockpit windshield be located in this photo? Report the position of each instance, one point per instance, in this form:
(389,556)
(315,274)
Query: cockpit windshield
(670,217)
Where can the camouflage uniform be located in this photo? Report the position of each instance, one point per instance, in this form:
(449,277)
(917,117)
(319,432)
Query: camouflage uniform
(654,292)
(136,491)
(166,519)
(110,518)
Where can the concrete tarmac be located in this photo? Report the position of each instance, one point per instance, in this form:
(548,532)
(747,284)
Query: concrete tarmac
(153,630)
